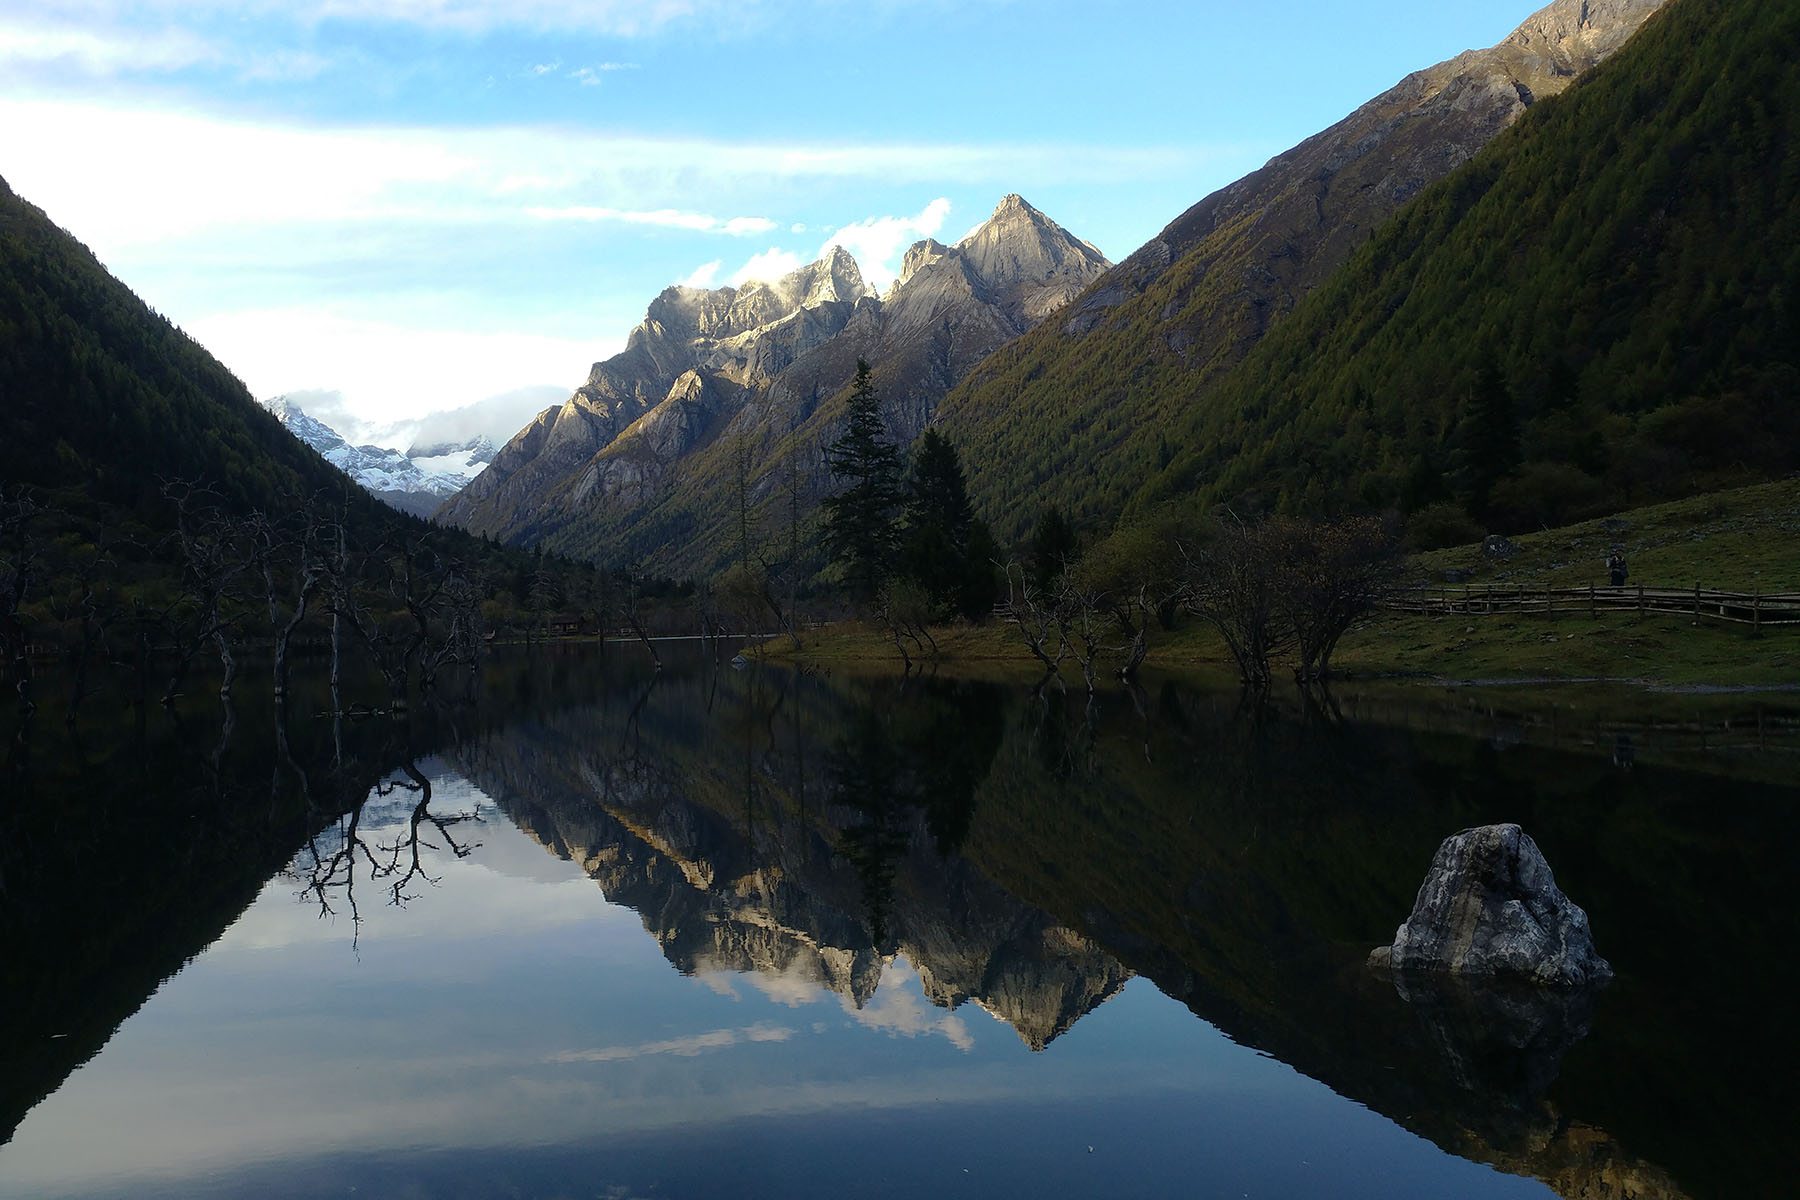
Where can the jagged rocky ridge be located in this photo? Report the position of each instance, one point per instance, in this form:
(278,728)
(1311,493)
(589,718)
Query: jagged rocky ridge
(759,364)
(1192,301)
(392,475)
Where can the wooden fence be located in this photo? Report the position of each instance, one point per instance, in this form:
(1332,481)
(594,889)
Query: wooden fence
(1747,608)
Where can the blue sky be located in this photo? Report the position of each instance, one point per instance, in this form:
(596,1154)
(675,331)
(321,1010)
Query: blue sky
(423,203)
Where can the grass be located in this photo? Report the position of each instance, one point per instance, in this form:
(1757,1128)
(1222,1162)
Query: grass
(1745,539)
(1742,540)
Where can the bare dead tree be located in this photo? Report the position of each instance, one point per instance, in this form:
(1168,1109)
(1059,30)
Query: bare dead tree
(20,551)
(1084,623)
(1033,613)
(87,610)
(904,608)
(1330,574)
(411,580)
(292,563)
(211,565)
(635,621)
(454,632)
(1232,580)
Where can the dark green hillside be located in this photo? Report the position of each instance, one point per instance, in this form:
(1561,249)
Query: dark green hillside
(103,403)
(1598,310)
(1592,313)
(100,396)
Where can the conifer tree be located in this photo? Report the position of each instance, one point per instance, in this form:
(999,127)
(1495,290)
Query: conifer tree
(860,530)
(944,548)
(937,517)
(1053,547)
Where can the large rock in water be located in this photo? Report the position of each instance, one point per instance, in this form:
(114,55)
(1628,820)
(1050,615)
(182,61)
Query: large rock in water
(1490,907)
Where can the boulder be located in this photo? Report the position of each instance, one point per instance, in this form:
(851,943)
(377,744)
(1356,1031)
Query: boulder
(1496,546)
(1489,907)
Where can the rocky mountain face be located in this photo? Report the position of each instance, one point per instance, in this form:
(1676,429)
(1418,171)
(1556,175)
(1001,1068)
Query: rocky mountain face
(1193,300)
(759,364)
(417,481)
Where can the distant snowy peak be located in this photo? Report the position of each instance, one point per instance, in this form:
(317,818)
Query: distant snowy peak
(415,483)
(478,449)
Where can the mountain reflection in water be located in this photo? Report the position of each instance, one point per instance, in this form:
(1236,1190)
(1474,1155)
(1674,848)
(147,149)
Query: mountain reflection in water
(1029,853)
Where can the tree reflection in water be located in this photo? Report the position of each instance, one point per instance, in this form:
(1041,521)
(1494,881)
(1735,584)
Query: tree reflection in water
(329,863)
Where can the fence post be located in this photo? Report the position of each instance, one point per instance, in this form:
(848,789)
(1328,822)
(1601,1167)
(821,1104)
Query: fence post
(1593,609)
(1696,602)
(1756,613)
(1640,599)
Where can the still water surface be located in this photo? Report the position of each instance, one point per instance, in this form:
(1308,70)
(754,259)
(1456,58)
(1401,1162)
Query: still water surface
(590,931)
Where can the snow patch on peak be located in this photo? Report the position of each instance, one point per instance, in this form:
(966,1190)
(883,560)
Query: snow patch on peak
(382,470)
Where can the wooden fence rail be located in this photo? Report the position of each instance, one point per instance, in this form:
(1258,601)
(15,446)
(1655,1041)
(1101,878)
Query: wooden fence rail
(1747,608)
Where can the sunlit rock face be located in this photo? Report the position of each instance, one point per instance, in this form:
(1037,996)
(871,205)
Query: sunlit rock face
(1490,907)
(713,372)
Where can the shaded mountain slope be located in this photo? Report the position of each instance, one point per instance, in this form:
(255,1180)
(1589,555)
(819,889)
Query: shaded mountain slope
(101,398)
(1078,412)
(1597,311)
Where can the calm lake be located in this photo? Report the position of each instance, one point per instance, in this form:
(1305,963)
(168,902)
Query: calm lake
(581,929)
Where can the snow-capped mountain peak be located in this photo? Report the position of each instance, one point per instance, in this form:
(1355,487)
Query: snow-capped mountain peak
(413,484)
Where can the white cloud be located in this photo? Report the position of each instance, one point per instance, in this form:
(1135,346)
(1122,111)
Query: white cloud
(748,226)
(768,266)
(104,51)
(196,172)
(667,217)
(98,53)
(621,18)
(901,1011)
(193,173)
(383,371)
(706,275)
(689,1046)
(591,76)
(878,243)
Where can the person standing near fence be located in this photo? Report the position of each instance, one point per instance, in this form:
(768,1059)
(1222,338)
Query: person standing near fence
(1615,564)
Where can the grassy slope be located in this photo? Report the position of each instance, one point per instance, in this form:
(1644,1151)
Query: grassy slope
(1740,540)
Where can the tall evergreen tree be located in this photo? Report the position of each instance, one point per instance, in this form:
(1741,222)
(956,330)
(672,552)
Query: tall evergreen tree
(1053,547)
(944,547)
(1490,435)
(860,529)
(937,517)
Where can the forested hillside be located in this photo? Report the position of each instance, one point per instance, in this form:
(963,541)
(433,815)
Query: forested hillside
(1598,310)
(101,397)
(149,507)
(1592,312)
